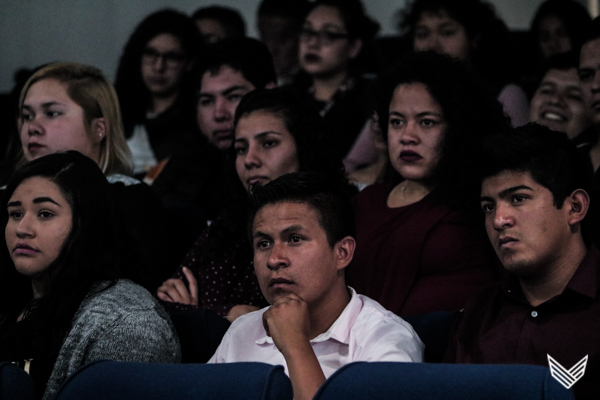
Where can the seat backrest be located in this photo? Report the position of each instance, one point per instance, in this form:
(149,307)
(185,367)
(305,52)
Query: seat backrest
(15,384)
(103,380)
(411,381)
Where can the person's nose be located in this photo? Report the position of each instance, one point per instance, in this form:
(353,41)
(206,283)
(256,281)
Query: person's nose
(252,158)
(503,217)
(33,126)
(433,43)
(558,99)
(410,134)
(25,228)
(596,82)
(222,111)
(160,63)
(278,257)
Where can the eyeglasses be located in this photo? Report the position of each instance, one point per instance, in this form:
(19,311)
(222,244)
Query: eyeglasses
(324,37)
(172,59)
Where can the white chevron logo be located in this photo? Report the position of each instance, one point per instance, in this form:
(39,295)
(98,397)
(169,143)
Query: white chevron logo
(565,377)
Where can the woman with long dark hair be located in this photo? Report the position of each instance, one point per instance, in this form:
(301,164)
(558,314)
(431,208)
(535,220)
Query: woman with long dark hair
(332,46)
(276,131)
(471,31)
(70,106)
(155,86)
(419,248)
(62,296)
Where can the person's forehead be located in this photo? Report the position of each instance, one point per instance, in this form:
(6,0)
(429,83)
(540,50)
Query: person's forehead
(282,215)
(590,54)
(222,79)
(562,76)
(505,179)
(440,16)
(165,42)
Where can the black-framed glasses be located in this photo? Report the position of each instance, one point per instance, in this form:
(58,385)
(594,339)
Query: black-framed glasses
(171,58)
(324,37)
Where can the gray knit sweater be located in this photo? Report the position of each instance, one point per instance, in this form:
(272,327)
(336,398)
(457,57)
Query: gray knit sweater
(123,322)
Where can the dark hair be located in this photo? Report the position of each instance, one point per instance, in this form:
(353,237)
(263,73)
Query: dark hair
(482,25)
(359,27)
(134,96)
(249,56)
(592,32)
(306,126)
(301,118)
(293,10)
(470,110)
(91,253)
(561,62)
(573,15)
(231,20)
(327,195)
(549,156)
(357,23)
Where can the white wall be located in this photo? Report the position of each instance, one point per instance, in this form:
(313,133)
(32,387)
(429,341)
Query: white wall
(33,32)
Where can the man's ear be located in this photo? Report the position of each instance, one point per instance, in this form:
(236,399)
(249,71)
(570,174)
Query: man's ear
(345,251)
(98,130)
(355,49)
(578,204)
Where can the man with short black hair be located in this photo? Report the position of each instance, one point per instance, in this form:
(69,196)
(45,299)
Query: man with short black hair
(192,180)
(534,197)
(302,233)
(228,70)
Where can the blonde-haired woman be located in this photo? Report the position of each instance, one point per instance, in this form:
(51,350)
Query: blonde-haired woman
(69,106)
(80,89)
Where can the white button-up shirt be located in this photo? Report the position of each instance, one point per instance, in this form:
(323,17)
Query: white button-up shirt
(364,331)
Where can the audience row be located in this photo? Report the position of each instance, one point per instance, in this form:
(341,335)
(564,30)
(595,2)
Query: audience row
(318,217)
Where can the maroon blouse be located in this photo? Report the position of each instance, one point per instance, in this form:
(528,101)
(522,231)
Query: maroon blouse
(419,258)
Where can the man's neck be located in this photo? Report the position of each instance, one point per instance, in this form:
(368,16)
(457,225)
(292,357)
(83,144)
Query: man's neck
(327,86)
(325,314)
(161,103)
(543,288)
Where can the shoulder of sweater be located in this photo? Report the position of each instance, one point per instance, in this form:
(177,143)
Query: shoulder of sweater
(121,298)
(124,179)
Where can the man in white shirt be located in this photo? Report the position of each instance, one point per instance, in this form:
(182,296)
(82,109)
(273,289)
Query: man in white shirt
(302,234)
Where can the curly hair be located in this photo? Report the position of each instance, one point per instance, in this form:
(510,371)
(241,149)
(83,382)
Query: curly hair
(95,250)
(482,25)
(229,18)
(469,108)
(133,94)
(573,15)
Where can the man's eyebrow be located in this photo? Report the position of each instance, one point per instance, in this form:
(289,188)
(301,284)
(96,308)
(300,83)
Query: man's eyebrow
(485,198)
(259,234)
(292,228)
(39,200)
(506,192)
(233,89)
(14,204)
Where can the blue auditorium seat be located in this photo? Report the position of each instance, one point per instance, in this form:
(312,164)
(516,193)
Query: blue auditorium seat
(115,380)
(426,381)
(15,384)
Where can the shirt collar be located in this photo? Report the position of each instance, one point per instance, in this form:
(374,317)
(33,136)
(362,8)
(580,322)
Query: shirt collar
(339,330)
(584,281)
